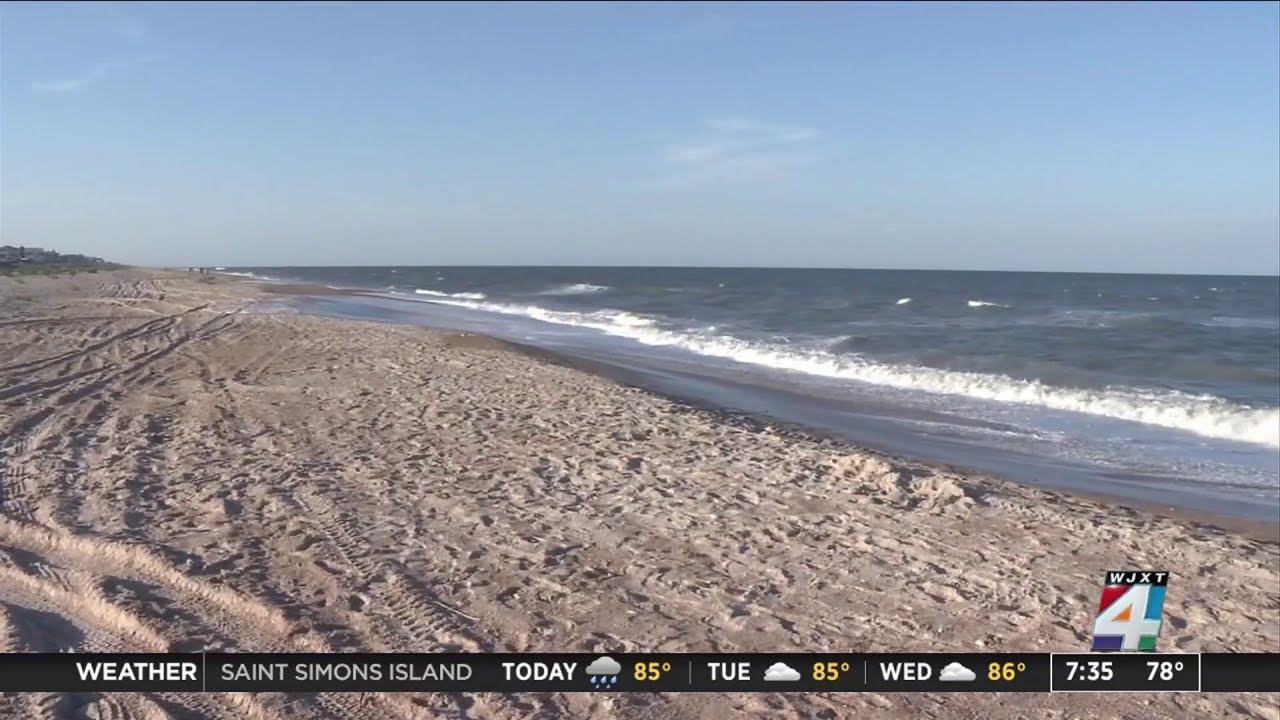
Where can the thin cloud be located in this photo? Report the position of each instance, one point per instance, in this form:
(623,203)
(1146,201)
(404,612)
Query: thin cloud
(737,124)
(742,147)
(95,73)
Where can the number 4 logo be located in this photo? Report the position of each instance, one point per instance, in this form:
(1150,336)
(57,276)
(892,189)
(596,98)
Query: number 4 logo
(1128,617)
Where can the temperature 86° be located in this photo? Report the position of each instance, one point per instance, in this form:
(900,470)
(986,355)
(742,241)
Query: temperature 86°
(651,670)
(1005,671)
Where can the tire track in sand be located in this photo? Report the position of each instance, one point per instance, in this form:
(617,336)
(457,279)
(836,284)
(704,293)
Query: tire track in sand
(401,611)
(150,327)
(65,610)
(240,616)
(13,478)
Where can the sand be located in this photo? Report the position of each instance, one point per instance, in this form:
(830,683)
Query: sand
(190,467)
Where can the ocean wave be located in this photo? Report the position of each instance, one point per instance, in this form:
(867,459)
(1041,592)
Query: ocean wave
(256,276)
(1244,322)
(903,301)
(461,296)
(602,319)
(621,318)
(1203,415)
(575,289)
(984,303)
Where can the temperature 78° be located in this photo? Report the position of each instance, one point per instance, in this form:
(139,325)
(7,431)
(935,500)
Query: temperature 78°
(1163,669)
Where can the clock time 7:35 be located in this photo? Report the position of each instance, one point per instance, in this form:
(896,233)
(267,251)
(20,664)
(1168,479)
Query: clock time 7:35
(1090,670)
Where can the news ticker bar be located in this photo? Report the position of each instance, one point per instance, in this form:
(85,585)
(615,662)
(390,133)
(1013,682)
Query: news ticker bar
(640,672)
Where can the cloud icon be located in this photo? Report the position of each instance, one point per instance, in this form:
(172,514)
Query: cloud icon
(781,672)
(604,665)
(955,672)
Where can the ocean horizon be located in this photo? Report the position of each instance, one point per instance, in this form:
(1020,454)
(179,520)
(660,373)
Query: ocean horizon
(234,269)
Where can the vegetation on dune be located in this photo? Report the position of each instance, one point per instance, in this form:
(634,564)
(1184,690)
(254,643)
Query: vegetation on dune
(56,269)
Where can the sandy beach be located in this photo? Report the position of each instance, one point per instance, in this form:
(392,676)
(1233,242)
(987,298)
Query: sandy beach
(188,465)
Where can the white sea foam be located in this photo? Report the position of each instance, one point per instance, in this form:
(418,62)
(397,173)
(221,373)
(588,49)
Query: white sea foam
(575,289)
(243,274)
(903,301)
(1243,322)
(984,303)
(620,318)
(1203,415)
(460,296)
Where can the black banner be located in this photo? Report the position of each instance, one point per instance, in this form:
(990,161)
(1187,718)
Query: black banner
(641,672)
(1126,672)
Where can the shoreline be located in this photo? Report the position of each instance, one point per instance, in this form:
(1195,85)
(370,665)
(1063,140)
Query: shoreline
(191,467)
(1256,529)
(1263,530)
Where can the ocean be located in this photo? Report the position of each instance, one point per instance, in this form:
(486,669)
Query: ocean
(1159,388)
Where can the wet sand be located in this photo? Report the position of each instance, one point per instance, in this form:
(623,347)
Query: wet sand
(188,467)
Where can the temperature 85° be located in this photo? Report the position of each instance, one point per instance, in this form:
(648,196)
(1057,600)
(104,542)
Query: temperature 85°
(828,671)
(651,670)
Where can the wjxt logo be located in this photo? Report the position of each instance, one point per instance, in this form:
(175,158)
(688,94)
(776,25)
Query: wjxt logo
(1129,616)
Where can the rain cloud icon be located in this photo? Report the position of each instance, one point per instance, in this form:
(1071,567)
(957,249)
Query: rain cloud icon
(604,672)
(955,672)
(604,665)
(781,672)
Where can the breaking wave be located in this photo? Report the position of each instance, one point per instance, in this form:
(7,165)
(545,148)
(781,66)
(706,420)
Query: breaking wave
(255,276)
(984,303)
(903,301)
(460,296)
(576,289)
(1203,415)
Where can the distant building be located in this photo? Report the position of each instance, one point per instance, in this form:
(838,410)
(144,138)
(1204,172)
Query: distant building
(11,256)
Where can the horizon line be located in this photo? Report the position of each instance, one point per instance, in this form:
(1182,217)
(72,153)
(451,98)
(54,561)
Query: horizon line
(740,267)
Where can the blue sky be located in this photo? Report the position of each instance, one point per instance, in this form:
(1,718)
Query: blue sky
(1103,137)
